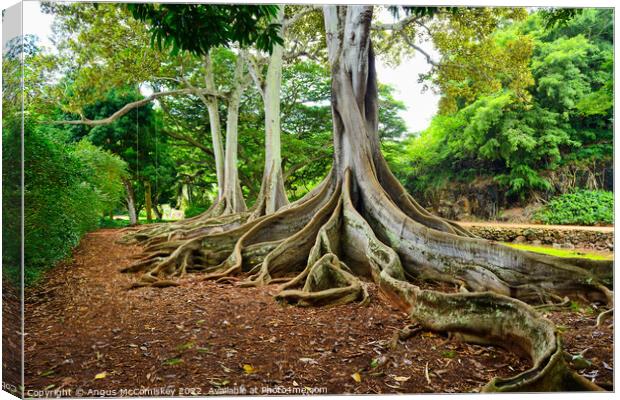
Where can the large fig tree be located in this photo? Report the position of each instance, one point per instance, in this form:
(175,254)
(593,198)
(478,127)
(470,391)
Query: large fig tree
(360,225)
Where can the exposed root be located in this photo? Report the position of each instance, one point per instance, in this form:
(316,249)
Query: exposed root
(329,282)
(600,320)
(554,306)
(332,239)
(403,334)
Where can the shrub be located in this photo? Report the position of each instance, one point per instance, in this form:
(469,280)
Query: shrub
(193,210)
(66,188)
(585,207)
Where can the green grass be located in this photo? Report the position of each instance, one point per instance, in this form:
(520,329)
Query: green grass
(560,252)
(123,223)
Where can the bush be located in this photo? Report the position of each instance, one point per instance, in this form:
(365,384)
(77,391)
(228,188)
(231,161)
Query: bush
(585,207)
(66,189)
(193,210)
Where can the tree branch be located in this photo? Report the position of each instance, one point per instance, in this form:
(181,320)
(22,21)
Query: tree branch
(130,106)
(189,140)
(292,20)
(256,74)
(396,26)
(429,59)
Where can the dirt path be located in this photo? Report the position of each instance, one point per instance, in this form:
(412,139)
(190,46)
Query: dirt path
(491,224)
(88,336)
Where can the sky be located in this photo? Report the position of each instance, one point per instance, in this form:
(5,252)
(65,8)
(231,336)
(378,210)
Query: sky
(404,78)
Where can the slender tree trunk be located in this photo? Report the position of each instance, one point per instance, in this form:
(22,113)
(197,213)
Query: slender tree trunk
(272,195)
(232,189)
(186,196)
(156,209)
(130,202)
(214,123)
(147,201)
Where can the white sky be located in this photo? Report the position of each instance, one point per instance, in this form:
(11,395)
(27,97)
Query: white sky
(420,106)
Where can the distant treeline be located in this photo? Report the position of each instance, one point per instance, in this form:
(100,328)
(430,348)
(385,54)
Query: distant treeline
(555,137)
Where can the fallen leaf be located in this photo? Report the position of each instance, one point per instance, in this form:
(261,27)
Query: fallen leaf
(185,346)
(248,369)
(357,377)
(173,361)
(101,375)
(402,378)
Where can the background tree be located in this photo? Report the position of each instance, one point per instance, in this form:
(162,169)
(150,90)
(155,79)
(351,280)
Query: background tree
(136,138)
(556,140)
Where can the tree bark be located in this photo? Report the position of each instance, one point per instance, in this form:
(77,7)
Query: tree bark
(130,202)
(147,201)
(360,222)
(232,189)
(214,123)
(272,195)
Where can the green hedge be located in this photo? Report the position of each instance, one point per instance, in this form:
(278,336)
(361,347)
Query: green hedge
(193,210)
(585,207)
(62,198)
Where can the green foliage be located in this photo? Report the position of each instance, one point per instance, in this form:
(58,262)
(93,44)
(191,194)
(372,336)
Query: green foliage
(193,210)
(11,197)
(199,27)
(64,194)
(113,223)
(66,186)
(584,207)
(105,171)
(563,122)
(137,139)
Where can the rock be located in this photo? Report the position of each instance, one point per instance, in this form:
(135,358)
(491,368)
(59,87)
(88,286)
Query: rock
(567,246)
(520,239)
(536,242)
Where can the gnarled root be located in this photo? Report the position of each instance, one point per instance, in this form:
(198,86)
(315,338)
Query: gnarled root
(329,281)
(490,318)
(351,228)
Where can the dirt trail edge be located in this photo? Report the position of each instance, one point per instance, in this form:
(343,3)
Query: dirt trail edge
(86,335)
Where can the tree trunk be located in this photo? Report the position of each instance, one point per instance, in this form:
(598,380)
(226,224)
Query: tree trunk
(147,201)
(232,189)
(130,202)
(185,198)
(272,195)
(214,123)
(360,222)
(156,209)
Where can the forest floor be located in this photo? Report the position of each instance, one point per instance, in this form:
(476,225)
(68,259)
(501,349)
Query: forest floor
(86,335)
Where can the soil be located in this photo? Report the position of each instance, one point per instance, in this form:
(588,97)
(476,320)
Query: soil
(87,335)
(11,337)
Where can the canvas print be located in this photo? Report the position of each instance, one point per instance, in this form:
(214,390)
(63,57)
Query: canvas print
(306,199)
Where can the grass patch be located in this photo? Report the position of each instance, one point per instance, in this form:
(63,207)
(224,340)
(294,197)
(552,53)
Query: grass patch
(565,253)
(123,223)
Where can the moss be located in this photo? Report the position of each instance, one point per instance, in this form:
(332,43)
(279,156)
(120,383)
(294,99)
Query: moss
(560,252)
